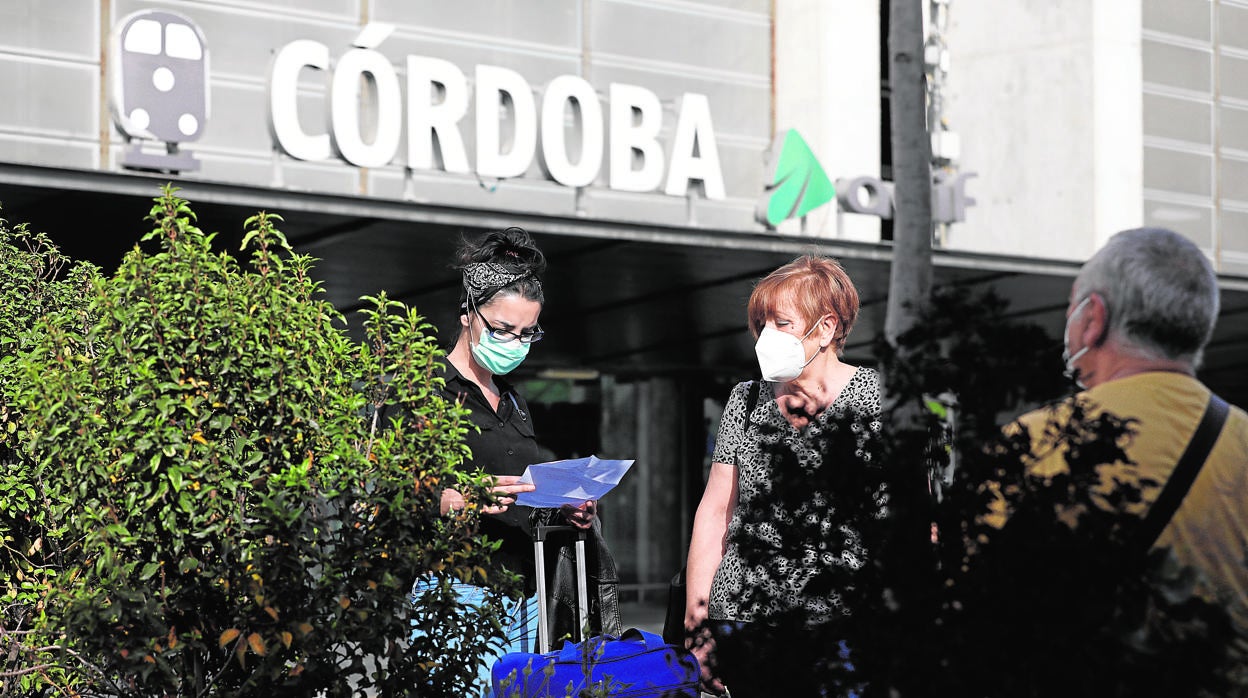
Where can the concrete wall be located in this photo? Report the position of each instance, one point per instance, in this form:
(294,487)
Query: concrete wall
(54,55)
(1195,55)
(1081,117)
(827,80)
(1046,99)
(49,68)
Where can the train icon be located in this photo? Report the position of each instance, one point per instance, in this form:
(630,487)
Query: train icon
(159,88)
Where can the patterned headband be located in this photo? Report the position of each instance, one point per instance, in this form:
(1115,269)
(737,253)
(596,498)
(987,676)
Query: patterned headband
(484,279)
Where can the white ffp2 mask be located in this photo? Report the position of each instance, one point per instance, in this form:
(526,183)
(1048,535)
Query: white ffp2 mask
(781,356)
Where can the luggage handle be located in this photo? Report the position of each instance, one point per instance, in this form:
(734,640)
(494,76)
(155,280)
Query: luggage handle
(582,591)
(649,641)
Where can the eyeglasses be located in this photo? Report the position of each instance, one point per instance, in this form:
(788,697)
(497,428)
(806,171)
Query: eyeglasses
(529,337)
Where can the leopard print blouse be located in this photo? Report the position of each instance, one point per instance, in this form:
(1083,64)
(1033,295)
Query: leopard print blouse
(743,591)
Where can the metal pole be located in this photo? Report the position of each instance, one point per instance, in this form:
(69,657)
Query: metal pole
(543,633)
(582,590)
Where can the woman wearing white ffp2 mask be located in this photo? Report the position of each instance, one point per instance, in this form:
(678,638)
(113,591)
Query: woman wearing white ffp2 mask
(800,315)
(781,356)
(799,360)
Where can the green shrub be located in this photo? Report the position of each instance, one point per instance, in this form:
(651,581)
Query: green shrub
(36,281)
(240,521)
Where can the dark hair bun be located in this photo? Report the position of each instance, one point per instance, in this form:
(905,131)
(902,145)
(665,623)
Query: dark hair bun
(513,247)
(513,250)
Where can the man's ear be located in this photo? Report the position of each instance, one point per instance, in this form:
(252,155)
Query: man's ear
(1096,329)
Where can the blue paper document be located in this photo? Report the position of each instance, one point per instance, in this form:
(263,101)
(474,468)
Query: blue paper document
(574,481)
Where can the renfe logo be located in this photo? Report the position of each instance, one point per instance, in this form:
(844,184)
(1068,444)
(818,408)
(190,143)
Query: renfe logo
(159,88)
(437,101)
(799,185)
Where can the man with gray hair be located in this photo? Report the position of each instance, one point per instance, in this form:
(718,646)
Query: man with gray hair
(1141,311)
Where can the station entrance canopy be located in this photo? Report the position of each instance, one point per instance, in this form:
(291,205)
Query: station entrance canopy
(622,298)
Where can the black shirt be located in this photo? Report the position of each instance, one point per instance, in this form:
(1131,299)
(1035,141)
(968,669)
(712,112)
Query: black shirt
(505,445)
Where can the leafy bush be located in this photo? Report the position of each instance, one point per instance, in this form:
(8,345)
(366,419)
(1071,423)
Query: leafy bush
(36,281)
(241,522)
(1059,598)
(1055,599)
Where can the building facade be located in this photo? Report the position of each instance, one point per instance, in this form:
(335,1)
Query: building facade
(643,142)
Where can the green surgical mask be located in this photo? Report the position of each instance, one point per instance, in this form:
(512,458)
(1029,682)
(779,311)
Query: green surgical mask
(499,358)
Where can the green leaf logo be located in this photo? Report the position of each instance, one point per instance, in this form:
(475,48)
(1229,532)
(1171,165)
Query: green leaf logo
(798,183)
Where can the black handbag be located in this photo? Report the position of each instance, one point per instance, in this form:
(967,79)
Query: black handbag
(674,622)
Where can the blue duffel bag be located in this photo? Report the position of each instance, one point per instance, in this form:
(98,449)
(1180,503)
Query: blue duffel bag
(636,664)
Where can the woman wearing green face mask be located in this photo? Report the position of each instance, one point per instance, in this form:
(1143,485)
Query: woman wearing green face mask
(498,325)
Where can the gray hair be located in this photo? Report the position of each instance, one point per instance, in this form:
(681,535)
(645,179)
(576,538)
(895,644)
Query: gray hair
(1160,289)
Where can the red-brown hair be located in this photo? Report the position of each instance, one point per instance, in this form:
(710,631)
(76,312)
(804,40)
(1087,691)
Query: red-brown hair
(813,287)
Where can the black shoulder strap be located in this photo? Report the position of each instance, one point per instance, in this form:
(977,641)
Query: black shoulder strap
(1176,488)
(751,399)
